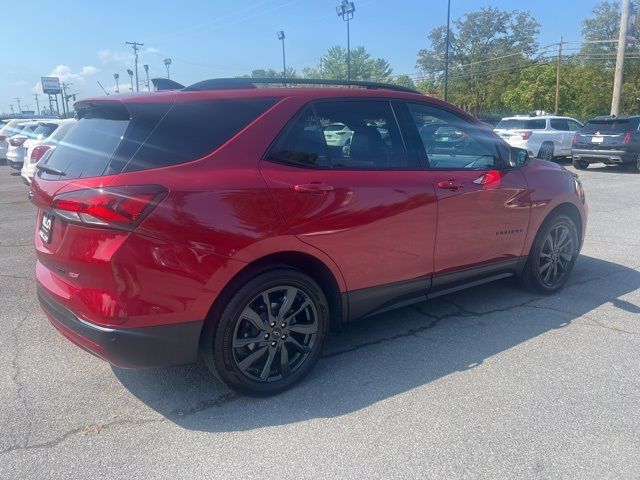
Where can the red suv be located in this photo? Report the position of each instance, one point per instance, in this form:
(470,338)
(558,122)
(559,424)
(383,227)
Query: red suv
(218,219)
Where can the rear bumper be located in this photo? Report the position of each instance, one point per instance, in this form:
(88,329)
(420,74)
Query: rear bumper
(157,346)
(611,157)
(16,165)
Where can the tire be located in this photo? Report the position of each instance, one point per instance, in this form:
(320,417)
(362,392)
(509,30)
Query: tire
(552,256)
(635,166)
(546,151)
(580,164)
(285,347)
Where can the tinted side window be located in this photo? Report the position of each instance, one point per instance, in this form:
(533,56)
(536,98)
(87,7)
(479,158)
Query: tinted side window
(451,142)
(559,124)
(370,138)
(192,130)
(350,135)
(301,143)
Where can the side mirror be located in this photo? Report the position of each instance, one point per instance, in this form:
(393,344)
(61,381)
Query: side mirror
(518,157)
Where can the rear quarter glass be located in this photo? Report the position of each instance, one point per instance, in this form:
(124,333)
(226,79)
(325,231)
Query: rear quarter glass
(117,138)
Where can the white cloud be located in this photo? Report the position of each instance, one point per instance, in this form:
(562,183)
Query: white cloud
(153,50)
(110,56)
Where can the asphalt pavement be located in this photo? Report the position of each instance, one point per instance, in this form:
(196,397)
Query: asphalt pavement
(493,382)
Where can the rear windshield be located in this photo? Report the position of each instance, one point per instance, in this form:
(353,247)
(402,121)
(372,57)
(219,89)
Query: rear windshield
(610,126)
(43,131)
(521,124)
(111,140)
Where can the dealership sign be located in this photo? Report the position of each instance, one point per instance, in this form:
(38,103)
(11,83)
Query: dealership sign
(51,85)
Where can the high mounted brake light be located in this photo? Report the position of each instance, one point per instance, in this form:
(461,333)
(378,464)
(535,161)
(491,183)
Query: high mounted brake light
(122,208)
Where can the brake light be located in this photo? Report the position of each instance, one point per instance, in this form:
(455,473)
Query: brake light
(3,137)
(115,207)
(628,137)
(576,138)
(17,141)
(526,135)
(38,152)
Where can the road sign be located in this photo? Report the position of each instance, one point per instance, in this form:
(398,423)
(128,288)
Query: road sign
(51,85)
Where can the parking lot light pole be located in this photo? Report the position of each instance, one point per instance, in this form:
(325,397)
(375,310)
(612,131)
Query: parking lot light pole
(284,64)
(116,76)
(346,10)
(130,73)
(146,70)
(167,63)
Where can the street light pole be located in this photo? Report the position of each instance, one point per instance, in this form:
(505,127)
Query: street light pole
(167,63)
(346,10)
(446,53)
(116,76)
(284,63)
(146,70)
(130,73)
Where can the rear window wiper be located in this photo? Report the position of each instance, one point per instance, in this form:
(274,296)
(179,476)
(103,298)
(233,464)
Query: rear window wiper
(51,170)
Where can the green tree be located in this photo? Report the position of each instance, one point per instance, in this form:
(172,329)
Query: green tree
(271,73)
(363,66)
(404,80)
(487,49)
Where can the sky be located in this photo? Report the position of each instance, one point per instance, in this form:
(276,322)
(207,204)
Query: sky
(83,42)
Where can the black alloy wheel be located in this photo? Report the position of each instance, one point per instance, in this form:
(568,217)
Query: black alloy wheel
(275,333)
(556,255)
(269,334)
(552,255)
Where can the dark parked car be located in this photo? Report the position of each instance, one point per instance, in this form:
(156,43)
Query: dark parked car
(608,140)
(217,219)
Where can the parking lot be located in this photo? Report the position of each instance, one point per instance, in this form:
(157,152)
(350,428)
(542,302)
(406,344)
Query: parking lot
(492,382)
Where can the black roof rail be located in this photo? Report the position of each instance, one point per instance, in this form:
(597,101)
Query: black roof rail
(247,82)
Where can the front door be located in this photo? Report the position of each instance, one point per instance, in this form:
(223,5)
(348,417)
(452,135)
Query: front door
(483,205)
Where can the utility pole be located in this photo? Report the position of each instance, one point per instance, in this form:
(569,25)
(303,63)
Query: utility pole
(446,54)
(622,41)
(11,105)
(17,99)
(65,97)
(135,46)
(555,111)
(35,95)
(116,76)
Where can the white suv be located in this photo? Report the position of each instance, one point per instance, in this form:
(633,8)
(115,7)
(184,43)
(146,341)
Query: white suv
(544,136)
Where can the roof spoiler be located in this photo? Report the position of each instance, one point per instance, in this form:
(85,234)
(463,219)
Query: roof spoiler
(163,84)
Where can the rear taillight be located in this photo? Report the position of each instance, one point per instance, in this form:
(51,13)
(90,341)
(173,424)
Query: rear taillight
(17,141)
(526,135)
(115,207)
(576,137)
(3,137)
(628,137)
(38,152)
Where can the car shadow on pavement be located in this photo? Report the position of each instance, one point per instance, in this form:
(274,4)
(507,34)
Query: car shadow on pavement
(377,358)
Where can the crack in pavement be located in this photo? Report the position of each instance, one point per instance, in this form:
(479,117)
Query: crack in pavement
(86,430)
(17,277)
(16,375)
(97,428)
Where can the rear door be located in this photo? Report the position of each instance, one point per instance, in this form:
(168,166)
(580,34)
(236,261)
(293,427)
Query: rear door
(369,204)
(483,205)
